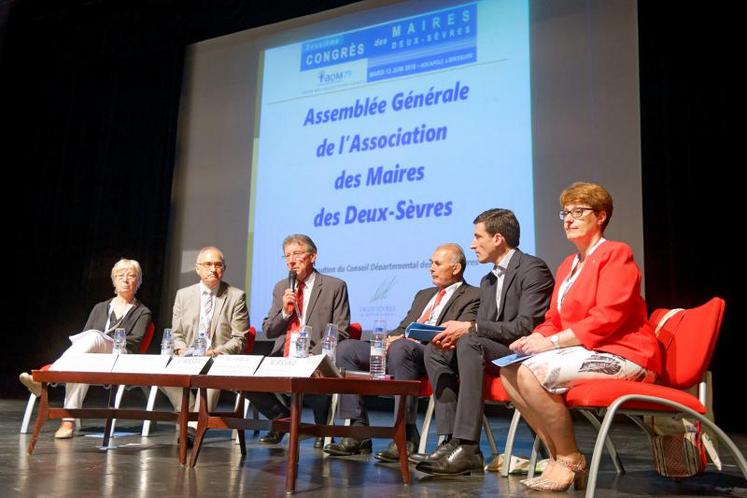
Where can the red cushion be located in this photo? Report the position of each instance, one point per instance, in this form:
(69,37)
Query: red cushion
(425,387)
(355,330)
(494,390)
(251,336)
(600,394)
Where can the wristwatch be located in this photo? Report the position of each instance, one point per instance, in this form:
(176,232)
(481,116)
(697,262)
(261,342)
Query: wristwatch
(555,341)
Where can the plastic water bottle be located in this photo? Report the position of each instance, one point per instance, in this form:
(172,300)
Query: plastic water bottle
(378,350)
(302,342)
(120,341)
(167,343)
(201,344)
(329,341)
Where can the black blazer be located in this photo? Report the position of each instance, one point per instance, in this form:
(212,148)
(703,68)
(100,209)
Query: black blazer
(135,322)
(461,306)
(525,296)
(328,303)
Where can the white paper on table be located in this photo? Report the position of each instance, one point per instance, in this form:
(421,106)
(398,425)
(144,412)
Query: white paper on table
(187,365)
(279,366)
(238,365)
(84,362)
(141,363)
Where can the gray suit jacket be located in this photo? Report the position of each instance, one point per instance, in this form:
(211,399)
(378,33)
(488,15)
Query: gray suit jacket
(461,306)
(328,303)
(228,327)
(525,296)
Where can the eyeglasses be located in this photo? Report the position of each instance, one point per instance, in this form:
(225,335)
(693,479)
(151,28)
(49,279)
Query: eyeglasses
(210,264)
(576,213)
(294,255)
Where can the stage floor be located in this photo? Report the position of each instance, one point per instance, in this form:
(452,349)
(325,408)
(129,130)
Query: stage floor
(145,467)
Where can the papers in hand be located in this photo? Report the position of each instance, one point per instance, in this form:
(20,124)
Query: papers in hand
(511,359)
(422,332)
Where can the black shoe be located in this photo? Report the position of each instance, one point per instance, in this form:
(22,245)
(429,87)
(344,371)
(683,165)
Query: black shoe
(391,453)
(319,443)
(461,460)
(442,449)
(272,437)
(348,446)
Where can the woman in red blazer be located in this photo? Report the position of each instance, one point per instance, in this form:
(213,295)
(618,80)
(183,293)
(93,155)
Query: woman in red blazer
(596,328)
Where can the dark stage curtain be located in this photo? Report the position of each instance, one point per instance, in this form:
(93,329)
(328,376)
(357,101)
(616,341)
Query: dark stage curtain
(691,166)
(89,114)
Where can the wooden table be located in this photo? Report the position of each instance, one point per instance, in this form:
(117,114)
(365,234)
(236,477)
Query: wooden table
(106,378)
(297,387)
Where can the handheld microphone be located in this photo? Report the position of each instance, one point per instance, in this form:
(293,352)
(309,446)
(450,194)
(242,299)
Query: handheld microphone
(292,284)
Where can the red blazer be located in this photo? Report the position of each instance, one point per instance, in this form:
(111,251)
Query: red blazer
(604,307)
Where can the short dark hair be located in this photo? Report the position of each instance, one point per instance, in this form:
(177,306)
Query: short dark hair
(502,221)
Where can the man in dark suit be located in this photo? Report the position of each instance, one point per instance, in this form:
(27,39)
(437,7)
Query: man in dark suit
(513,299)
(317,300)
(451,299)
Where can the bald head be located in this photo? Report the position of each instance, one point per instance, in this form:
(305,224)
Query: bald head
(447,265)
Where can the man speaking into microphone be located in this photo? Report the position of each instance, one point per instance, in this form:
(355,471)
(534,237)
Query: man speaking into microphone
(310,298)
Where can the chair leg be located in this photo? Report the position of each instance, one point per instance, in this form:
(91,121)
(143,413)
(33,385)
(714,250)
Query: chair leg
(508,450)
(332,412)
(594,421)
(489,435)
(27,414)
(607,423)
(533,457)
(117,402)
(427,424)
(235,432)
(149,407)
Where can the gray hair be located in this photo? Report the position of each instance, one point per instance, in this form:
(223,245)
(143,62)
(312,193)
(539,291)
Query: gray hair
(457,254)
(128,264)
(301,239)
(211,248)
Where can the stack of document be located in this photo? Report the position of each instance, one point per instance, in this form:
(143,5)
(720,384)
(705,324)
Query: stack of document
(422,332)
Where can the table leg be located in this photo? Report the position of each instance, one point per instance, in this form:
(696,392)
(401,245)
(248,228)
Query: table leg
(41,417)
(202,426)
(292,467)
(109,420)
(399,438)
(183,416)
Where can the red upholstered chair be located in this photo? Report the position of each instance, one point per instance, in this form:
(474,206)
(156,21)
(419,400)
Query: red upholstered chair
(143,348)
(687,341)
(355,331)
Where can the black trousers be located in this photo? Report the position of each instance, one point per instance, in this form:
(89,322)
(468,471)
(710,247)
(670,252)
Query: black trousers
(273,405)
(404,361)
(457,379)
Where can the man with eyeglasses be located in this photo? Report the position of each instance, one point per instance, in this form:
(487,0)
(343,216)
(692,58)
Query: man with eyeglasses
(211,305)
(317,300)
(514,297)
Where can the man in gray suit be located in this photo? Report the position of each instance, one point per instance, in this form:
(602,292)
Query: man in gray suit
(319,299)
(451,298)
(213,306)
(513,299)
